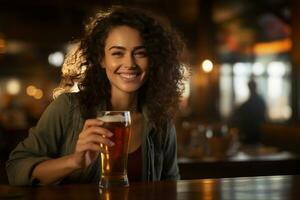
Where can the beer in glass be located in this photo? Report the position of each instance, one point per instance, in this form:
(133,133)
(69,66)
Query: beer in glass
(114,163)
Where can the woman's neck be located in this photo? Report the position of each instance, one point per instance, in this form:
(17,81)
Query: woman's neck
(124,101)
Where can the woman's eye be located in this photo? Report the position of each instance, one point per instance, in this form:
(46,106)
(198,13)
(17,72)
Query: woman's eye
(140,54)
(117,53)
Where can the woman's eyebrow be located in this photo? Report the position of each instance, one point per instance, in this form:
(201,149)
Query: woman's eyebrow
(123,48)
(117,47)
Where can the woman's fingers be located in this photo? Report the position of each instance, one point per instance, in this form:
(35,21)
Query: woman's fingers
(96,129)
(97,135)
(92,122)
(91,147)
(99,130)
(96,139)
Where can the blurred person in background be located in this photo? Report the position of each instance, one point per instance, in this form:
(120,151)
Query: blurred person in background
(126,60)
(250,116)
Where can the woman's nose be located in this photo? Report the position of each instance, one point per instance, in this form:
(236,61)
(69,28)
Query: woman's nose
(130,61)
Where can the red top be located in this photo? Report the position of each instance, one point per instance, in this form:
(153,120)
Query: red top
(134,167)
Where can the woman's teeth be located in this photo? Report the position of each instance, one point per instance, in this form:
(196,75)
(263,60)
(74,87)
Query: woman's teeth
(128,76)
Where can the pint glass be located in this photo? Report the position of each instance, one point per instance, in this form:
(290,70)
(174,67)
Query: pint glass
(114,163)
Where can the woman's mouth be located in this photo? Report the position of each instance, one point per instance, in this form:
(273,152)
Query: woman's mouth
(129,76)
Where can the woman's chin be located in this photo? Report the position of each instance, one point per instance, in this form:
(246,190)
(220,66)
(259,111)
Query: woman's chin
(130,89)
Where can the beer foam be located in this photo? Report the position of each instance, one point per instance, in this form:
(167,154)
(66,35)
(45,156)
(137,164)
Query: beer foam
(112,118)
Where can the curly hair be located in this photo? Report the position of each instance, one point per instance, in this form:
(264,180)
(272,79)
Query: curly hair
(161,92)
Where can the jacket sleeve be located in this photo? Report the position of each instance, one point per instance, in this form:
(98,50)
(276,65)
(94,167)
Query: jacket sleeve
(42,143)
(170,165)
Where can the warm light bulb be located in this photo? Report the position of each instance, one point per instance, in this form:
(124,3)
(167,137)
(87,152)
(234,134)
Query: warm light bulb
(56,59)
(207,66)
(13,86)
(30,90)
(38,94)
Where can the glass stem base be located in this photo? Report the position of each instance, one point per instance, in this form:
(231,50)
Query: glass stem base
(111,181)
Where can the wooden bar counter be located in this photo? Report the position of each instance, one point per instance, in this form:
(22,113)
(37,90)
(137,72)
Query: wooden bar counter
(260,161)
(261,187)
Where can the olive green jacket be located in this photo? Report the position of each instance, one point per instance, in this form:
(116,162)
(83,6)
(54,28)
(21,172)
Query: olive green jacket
(56,134)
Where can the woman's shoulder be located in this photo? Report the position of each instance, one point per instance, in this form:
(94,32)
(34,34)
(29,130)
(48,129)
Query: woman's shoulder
(66,99)
(62,105)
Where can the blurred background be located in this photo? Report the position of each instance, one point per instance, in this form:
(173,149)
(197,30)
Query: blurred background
(241,93)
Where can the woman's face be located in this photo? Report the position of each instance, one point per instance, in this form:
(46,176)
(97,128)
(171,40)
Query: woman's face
(125,59)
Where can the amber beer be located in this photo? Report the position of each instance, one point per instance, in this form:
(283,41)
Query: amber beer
(114,163)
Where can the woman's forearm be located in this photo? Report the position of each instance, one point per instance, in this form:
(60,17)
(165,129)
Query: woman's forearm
(52,171)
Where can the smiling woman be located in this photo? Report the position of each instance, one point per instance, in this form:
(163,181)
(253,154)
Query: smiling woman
(127,60)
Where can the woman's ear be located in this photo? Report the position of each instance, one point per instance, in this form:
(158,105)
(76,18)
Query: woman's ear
(102,63)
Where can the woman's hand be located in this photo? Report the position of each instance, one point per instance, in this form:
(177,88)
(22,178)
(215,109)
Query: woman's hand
(89,142)
(87,148)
